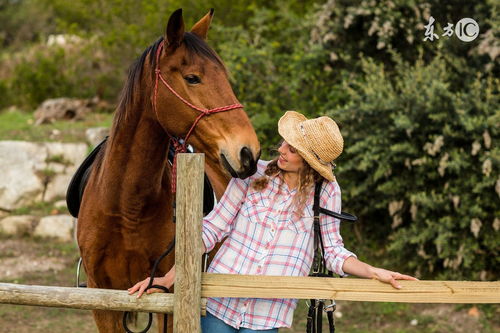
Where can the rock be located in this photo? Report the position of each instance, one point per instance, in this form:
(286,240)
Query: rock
(18,225)
(34,172)
(64,160)
(96,134)
(58,226)
(60,204)
(71,154)
(64,108)
(20,166)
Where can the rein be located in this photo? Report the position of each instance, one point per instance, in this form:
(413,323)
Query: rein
(319,269)
(181,147)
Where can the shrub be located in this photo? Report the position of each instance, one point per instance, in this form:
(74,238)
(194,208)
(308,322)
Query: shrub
(421,168)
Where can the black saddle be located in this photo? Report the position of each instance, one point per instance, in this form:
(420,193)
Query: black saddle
(76,187)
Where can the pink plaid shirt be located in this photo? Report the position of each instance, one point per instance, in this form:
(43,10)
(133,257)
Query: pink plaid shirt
(265,238)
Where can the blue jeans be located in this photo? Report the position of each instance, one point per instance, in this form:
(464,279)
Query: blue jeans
(212,324)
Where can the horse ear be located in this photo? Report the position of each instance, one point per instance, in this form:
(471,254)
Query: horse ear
(201,27)
(175,29)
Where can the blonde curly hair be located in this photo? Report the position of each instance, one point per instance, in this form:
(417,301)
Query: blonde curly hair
(307,178)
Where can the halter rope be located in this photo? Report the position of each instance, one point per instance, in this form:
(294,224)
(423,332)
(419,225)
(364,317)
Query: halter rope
(181,148)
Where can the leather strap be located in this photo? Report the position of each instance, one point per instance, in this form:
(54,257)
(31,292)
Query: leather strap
(315,313)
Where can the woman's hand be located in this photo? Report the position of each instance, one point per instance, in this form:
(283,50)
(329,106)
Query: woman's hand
(166,281)
(390,277)
(356,267)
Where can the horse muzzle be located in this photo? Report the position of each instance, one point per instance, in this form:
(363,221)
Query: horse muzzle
(247,164)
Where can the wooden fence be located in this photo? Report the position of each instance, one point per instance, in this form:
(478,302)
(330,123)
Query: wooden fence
(193,286)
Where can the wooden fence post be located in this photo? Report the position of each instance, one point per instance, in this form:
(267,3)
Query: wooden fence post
(188,244)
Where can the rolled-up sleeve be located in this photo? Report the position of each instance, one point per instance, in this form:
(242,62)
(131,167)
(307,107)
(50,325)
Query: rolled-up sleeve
(335,253)
(218,223)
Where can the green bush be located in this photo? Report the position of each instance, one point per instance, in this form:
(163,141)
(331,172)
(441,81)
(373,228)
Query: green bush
(421,168)
(77,70)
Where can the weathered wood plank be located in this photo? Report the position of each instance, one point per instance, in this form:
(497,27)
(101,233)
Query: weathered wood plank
(348,289)
(188,243)
(84,298)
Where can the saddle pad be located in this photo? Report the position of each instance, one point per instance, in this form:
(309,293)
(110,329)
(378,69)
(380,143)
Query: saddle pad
(77,184)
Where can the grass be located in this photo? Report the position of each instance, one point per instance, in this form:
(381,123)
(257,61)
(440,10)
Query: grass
(59,159)
(18,125)
(40,209)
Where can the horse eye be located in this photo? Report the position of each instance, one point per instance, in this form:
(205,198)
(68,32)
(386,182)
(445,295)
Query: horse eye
(192,79)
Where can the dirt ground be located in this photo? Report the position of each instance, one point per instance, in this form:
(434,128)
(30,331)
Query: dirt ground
(45,262)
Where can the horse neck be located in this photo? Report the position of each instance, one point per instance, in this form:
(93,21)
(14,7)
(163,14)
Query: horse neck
(135,164)
(218,178)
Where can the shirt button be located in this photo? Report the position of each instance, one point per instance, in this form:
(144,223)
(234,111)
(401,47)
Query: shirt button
(272,229)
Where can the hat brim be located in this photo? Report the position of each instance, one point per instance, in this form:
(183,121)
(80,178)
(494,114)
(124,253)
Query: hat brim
(289,129)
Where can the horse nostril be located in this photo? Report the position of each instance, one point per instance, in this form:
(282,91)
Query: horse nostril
(246,158)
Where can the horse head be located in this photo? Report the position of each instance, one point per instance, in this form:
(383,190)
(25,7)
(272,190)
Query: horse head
(194,101)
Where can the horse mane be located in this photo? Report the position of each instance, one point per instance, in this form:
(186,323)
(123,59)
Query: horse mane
(194,45)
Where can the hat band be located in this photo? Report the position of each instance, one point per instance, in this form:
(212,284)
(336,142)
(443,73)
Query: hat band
(312,151)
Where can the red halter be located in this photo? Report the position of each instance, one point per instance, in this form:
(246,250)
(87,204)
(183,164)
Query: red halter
(181,148)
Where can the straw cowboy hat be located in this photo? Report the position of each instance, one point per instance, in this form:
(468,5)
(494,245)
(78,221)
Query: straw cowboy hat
(317,140)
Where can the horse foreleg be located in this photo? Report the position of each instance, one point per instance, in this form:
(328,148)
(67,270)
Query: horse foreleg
(108,321)
(170,323)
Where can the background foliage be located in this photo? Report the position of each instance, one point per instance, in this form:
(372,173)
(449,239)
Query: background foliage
(420,118)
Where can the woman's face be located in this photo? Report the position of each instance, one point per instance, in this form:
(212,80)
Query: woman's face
(289,160)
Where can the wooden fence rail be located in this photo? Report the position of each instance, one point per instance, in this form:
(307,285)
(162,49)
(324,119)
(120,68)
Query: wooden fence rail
(84,298)
(349,289)
(191,284)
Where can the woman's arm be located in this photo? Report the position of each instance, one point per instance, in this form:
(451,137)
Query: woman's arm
(337,258)
(334,251)
(361,269)
(218,223)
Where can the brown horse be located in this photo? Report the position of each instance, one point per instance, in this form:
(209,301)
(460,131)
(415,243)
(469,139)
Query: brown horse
(125,220)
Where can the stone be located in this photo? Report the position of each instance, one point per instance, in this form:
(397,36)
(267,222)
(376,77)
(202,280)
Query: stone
(64,108)
(95,135)
(57,226)
(60,204)
(34,172)
(18,225)
(21,168)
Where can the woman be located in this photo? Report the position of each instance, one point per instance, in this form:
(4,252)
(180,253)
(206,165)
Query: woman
(268,221)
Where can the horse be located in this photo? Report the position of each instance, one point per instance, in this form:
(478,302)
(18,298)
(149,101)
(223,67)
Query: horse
(178,85)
